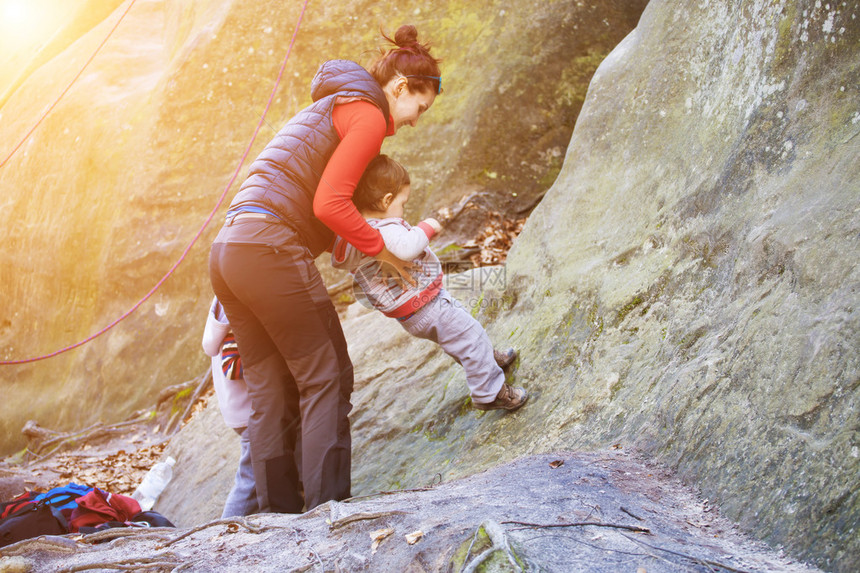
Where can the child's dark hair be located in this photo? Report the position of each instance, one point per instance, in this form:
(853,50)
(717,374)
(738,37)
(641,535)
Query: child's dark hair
(383,175)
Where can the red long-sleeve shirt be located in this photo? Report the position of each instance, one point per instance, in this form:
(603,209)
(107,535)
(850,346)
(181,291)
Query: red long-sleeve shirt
(361,128)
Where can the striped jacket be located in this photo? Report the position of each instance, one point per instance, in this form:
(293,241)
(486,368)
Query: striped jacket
(385,293)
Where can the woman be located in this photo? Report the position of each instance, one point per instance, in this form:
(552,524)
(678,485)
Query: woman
(296,198)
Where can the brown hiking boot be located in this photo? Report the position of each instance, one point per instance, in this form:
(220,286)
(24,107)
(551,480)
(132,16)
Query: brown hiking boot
(508,398)
(504,358)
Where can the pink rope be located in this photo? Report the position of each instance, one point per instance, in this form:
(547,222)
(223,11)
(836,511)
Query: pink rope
(203,228)
(68,87)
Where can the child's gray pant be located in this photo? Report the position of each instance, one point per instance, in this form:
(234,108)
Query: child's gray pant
(446,322)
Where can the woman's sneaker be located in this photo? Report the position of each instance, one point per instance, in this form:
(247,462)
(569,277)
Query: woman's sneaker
(508,398)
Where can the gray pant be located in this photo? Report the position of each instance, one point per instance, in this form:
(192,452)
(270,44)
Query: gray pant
(242,499)
(446,322)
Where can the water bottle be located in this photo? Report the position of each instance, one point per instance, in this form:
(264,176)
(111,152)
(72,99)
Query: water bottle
(153,483)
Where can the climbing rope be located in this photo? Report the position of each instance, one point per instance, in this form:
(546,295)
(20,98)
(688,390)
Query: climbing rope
(68,87)
(205,224)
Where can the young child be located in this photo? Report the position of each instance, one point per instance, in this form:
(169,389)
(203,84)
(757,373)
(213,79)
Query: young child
(425,310)
(235,405)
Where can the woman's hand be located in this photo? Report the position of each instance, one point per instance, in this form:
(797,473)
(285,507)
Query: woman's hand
(402,268)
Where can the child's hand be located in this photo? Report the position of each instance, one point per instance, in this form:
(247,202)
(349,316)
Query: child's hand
(437,226)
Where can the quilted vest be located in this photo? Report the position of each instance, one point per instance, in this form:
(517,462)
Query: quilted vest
(284,177)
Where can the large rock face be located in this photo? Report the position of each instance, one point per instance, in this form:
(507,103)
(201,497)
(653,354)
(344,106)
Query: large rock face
(692,279)
(106,194)
(689,286)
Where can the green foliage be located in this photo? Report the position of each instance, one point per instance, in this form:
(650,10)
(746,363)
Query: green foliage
(452,248)
(345,298)
(180,396)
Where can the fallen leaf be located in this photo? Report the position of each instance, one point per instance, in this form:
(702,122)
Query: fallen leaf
(414,537)
(381,533)
(556,464)
(377,537)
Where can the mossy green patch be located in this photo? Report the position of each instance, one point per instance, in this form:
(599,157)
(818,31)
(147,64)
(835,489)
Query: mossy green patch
(472,546)
(784,41)
(628,308)
(476,308)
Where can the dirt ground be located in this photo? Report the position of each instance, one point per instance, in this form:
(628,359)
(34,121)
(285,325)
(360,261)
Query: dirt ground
(112,457)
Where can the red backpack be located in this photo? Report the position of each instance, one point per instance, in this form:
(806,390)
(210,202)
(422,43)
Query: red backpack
(23,518)
(7,508)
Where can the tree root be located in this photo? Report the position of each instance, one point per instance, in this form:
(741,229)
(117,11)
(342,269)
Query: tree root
(364,515)
(202,383)
(163,560)
(236,521)
(60,440)
(310,547)
(433,484)
(527,525)
(174,389)
(44,443)
(50,543)
(500,543)
(114,533)
(702,560)
(390,492)
(340,286)
(631,514)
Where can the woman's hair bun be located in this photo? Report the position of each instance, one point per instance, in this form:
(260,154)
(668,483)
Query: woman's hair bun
(408,57)
(406,36)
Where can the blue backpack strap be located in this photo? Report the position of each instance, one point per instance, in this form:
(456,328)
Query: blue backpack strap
(63,497)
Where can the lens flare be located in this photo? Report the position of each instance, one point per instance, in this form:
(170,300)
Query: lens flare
(26,27)
(14,12)
(28,22)
(16,16)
